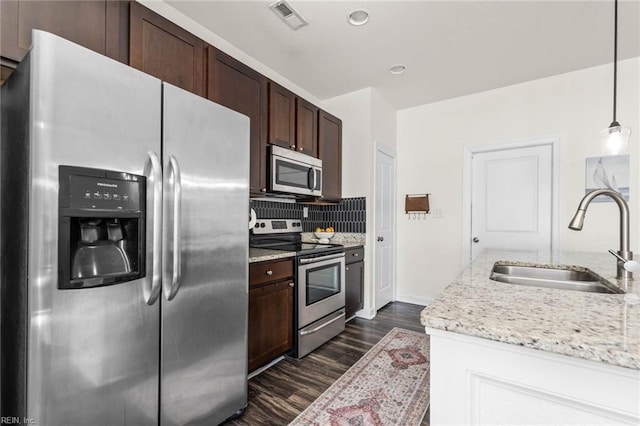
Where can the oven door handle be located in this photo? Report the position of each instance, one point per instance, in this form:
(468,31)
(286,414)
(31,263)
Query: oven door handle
(320,327)
(320,259)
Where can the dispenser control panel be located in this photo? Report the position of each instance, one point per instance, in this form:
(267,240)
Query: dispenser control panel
(88,192)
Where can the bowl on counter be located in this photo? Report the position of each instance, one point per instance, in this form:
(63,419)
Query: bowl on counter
(324,237)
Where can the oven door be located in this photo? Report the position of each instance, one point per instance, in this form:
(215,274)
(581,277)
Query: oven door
(320,287)
(295,177)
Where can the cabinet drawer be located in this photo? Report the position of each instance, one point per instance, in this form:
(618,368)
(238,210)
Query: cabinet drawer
(264,272)
(354,255)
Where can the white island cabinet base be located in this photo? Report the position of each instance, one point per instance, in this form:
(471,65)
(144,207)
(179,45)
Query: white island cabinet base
(475,381)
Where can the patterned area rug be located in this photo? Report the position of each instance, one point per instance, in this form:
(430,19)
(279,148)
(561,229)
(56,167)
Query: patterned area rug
(389,385)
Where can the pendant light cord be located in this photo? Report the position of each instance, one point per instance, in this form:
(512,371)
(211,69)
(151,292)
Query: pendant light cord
(615,58)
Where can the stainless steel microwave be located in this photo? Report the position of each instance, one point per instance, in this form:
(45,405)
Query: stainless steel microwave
(294,173)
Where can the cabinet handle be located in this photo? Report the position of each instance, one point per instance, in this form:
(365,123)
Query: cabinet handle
(292,146)
(291,284)
(263,190)
(356,254)
(300,149)
(269,273)
(346,268)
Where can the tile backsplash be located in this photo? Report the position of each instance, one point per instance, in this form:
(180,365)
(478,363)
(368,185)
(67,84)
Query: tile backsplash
(349,215)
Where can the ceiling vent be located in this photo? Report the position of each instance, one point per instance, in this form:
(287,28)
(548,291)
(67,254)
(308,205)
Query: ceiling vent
(288,15)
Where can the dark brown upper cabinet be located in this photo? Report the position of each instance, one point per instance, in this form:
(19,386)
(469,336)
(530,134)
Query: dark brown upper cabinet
(330,152)
(159,47)
(102,26)
(306,127)
(293,122)
(236,86)
(282,116)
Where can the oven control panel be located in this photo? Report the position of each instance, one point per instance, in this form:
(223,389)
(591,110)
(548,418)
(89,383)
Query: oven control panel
(277,226)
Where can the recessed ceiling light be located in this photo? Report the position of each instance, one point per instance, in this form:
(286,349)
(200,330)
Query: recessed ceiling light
(397,69)
(358,17)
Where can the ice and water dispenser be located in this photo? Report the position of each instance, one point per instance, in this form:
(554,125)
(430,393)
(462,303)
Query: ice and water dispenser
(101,227)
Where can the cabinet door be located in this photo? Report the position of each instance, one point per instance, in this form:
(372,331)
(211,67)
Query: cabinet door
(159,47)
(282,119)
(354,288)
(99,25)
(306,127)
(270,322)
(330,152)
(238,87)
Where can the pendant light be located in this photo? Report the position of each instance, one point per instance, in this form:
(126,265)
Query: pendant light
(614,140)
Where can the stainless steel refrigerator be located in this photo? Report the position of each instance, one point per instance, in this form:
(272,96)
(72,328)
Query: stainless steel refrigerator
(124,240)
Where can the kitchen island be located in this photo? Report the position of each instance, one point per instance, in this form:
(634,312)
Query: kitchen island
(518,354)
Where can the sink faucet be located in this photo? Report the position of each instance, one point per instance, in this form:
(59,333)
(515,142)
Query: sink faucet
(624,252)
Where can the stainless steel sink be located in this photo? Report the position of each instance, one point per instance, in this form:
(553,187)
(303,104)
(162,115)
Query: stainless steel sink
(565,279)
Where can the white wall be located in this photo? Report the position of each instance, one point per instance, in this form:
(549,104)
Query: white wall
(574,107)
(367,119)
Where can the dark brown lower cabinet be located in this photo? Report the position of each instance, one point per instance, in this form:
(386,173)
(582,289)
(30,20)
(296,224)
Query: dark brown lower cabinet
(270,311)
(354,281)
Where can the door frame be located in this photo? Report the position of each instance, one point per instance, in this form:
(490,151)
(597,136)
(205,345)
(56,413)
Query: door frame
(379,148)
(467,185)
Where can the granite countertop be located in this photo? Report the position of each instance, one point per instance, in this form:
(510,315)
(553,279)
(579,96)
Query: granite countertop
(594,326)
(260,255)
(348,239)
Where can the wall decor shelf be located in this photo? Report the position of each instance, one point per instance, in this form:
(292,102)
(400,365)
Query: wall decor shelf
(417,205)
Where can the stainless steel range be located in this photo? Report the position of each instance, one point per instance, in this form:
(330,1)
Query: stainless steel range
(320,297)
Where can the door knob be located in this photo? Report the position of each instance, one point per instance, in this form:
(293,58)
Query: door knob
(380,238)
(476,239)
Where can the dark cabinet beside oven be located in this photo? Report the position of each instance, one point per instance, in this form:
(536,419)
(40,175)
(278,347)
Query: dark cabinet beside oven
(354,280)
(271,289)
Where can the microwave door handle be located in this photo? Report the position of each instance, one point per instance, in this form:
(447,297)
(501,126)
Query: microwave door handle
(315,179)
(311,178)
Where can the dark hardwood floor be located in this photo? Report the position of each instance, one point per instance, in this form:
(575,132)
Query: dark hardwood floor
(282,392)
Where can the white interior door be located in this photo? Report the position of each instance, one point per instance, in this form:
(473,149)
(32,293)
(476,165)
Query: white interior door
(511,205)
(385,228)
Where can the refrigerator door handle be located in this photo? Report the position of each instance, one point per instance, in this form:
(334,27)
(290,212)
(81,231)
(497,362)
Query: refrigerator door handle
(153,173)
(174,168)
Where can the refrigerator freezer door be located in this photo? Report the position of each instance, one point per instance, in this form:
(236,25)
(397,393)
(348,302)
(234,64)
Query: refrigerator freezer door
(204,313)
(92,354)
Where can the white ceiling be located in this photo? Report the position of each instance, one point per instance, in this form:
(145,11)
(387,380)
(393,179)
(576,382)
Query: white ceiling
(451,48)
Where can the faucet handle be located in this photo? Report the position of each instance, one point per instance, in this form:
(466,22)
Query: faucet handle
(629,265)
(632,266)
